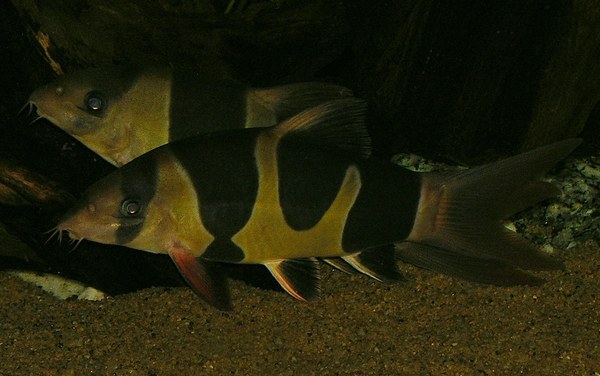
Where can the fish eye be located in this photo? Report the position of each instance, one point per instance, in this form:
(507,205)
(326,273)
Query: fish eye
(131,208)
(94,101)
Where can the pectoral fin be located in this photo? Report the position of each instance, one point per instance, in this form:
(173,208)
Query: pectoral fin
(299,277)
(204,277)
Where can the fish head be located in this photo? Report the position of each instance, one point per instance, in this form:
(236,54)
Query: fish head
(115,210)
(85,104)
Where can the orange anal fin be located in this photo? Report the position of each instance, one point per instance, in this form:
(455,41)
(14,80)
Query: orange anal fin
(204,277)
(299,277)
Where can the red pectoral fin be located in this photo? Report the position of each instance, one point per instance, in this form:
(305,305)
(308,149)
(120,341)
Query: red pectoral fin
(204,277)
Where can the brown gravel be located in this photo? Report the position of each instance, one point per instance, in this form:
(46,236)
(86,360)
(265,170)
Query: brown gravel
(430,324)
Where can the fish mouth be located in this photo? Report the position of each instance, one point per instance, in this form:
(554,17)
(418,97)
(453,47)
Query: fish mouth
(46,101)
(57,232)
(30,108)
(60,229)
(39,111)
(36,98)
(69,223)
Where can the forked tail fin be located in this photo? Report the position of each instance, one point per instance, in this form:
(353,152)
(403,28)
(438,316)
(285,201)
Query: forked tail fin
(458,229)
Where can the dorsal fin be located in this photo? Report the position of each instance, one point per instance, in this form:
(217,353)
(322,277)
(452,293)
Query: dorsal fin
(288,100)
(299,277)
(339,124)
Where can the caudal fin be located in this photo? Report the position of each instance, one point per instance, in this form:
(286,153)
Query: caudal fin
(458,229)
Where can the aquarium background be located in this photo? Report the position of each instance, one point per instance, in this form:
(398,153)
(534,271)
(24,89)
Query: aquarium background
(458,83)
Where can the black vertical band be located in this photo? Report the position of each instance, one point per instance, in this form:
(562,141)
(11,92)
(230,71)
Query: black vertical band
(199,105)
(139,182)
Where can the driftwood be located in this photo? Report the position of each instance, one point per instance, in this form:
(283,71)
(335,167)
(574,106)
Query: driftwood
(466,78)
(21,186)
(12,247)
(569,89)
(260,42)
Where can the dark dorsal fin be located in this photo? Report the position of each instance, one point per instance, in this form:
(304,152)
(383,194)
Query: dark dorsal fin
(339,124)
(378,263)
(288,100)
(204,277)
(299,277)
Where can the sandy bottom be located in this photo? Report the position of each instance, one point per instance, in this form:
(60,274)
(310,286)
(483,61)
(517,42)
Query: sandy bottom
(430,324)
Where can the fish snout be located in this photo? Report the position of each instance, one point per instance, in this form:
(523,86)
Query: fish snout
(47,92)
(47,100)
(72,234)
(69,227)
(76,218)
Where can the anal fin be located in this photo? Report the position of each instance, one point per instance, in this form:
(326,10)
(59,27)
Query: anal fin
(204,277)
(378,263)
(298,277)
(340,264)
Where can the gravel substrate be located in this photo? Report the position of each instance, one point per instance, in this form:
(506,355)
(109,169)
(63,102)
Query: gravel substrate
(430,324)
